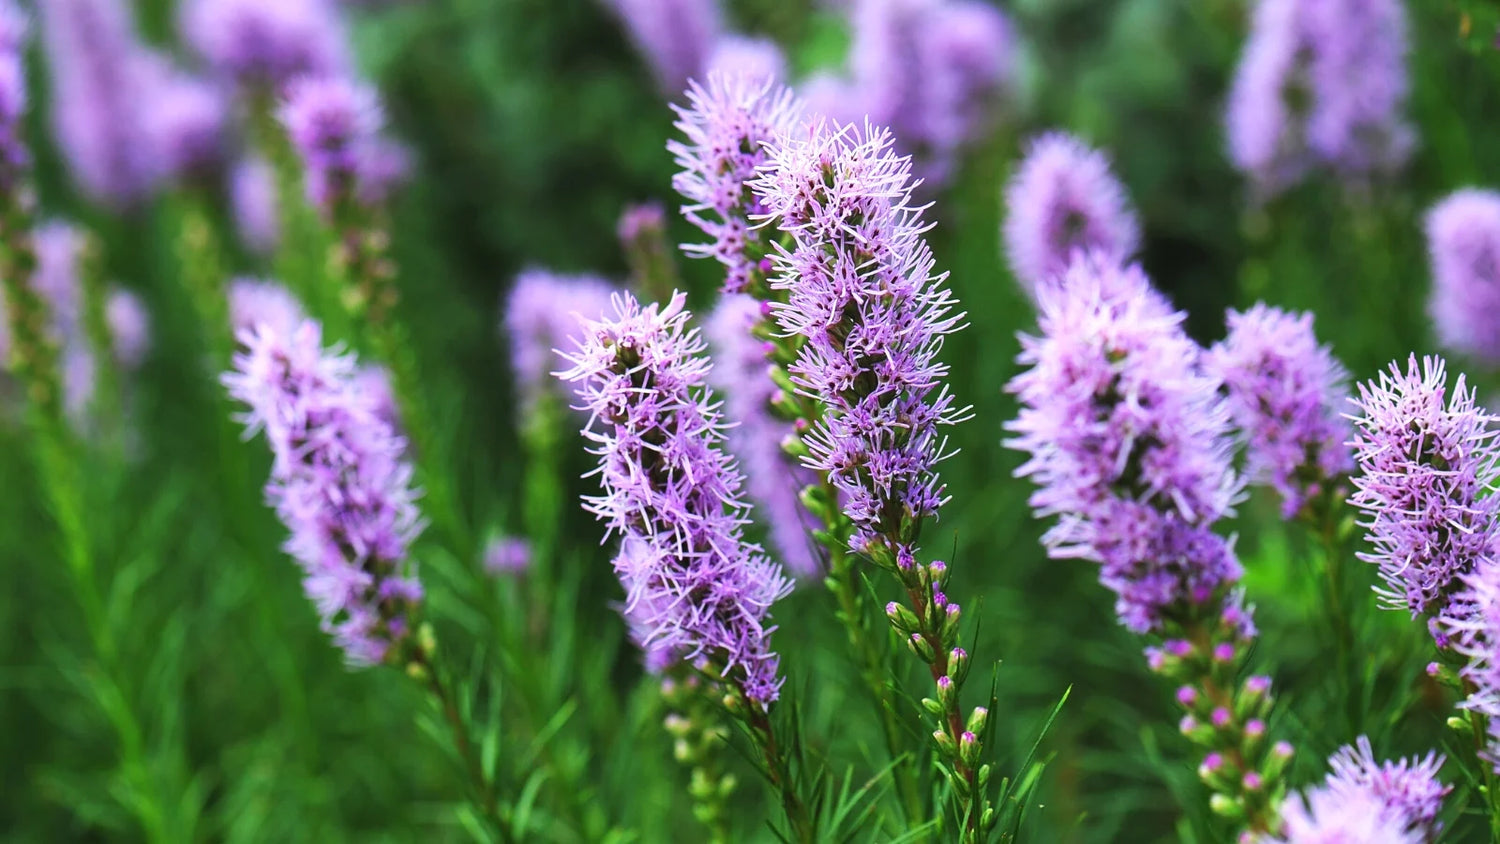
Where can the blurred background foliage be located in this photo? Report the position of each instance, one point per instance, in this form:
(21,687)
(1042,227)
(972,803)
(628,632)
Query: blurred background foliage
(534,124)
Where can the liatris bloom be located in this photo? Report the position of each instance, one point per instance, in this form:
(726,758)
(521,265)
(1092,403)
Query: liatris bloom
(507,556)
(1323,816)
(1426,457)
(755,59)
(1471,627)
(774,479)
(863,295)
(1061,200)
(101,76)
(1463,240)
(675,37)
(252,198)
(255,302)
(1320,84)
(332,122)
(129,328)
(543,314)
(264,44)
(694,585)
(187,121)
(13,155)
(1286,393)
(1409,788)
(726,127)
(341,484)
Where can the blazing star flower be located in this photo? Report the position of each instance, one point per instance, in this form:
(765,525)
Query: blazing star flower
(694,586)
(1463,240)
(341,484)
(1325,816)
(253,302)
(863,295)
(1426,456)
(725,129)
(755,59)
(129,328)
(774,479)
(252,198)
(332,123)
(509,555)
(101,78)
(187,121)
(1129,441)
(1320,84)
(1470,625)
(1286,393)
(542,316)
(264,44)
(14,157)
(675,37)
(1063,199)
(1409,788)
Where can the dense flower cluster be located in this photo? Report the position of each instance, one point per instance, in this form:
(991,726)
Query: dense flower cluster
(1129,440)
(1063,199)
(1286,394)
(340,482)
(1364,800)
(774,480)
(1320,84)
(1463,241)
(334,123)
(694,586)
(542,316)
(872,313)
(264,44)
(725,130)
(1426,457)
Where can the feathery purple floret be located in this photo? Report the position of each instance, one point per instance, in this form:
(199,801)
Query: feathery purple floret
(694,586)
(1409,788)
(14,157)
(756,59)
(1463,242)
(726,128)
(542,315)
(774,480)
(1324,816)
(1064,199)
(1286,394)
(1426,458)
(264,44)
(339,481)
(252,198)
(1128,440)
(102,77)
(872,314)
(1471,627)
(333,124)
(675,37)
(1320,84)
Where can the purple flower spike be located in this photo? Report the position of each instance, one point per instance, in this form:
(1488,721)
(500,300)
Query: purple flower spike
(129,328)
(774,480)
(754,59)
(339,481)
(1286,393)
(863,294)
(675,37)
(332,122)
(1425,457)
(725,130)
(1063,199)
(254,302)
(252,194)
(1324,816)
(1408,787)
(543,317)
(14,157)
(694,586)
(1463,241)
(508,556)
(264,44)
(1471,627)
(187,121)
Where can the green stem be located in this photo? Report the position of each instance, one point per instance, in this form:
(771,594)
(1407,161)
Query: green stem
(482,790)
(779,771)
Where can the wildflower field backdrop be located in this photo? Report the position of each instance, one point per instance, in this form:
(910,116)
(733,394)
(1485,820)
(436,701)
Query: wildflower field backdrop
(749,420)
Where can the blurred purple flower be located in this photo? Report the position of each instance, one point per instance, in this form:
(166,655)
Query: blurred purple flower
(1426,459)
(339,481)
(187,122)
(1409,788)
(332,123)
(1470,625)
(725,130)
(1286,394)
(756,59)
(129,328)
(14,157)
(252,196)
(1463,242)
(543,317)
(509,555)
(694,586)
(373,382)
(102,80)
(675,37)
(264,44)
(1325,816)
(863,294)
(1061,200)
(254,302)
(774,479)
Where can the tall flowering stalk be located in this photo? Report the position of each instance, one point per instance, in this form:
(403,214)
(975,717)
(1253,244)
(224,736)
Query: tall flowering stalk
(1463,243)
(869,315)
(1129,445)
(696,591)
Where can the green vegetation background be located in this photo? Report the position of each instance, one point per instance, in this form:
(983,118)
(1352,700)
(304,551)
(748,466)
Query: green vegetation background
(534,123)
